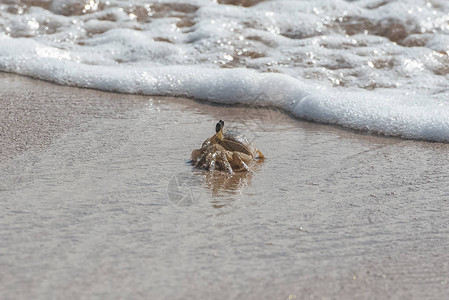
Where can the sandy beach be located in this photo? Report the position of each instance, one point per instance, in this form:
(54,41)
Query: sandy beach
(98,201)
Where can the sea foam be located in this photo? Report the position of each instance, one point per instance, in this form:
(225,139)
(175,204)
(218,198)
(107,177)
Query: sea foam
(309,58)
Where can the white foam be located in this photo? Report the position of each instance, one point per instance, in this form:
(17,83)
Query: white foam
(295,55)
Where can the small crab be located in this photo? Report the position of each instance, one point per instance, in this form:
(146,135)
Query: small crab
(230,152)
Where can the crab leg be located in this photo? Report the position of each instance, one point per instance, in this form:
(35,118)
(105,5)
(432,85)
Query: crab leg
(239,163)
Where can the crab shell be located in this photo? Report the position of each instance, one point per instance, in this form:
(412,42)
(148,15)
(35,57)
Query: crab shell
(235,141)
(230,152)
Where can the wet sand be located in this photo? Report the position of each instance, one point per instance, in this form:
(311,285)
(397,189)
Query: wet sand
(97,201)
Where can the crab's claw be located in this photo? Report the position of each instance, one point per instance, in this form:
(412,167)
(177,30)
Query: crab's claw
(195,156)
(259,155)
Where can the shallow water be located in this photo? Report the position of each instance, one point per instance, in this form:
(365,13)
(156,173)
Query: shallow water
(89,204)
(376,66)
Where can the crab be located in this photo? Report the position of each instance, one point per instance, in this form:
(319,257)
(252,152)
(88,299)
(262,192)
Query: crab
(229,152)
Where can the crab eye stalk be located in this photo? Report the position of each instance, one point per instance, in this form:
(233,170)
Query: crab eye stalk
(219,126)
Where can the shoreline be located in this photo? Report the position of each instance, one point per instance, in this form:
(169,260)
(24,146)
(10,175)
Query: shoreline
(341,123)
(332,213)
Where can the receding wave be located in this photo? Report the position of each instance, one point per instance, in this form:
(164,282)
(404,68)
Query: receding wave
(377,66)
(385,113)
